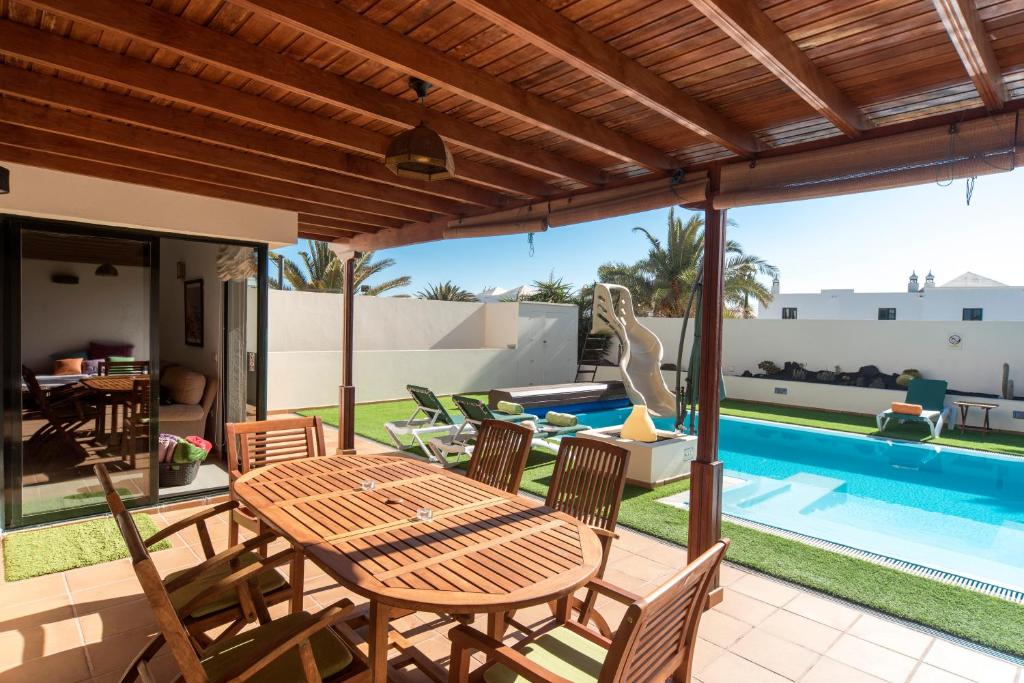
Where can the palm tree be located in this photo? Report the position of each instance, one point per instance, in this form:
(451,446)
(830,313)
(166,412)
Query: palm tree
(321,271)
(446,291)
(551,291)
(661,282)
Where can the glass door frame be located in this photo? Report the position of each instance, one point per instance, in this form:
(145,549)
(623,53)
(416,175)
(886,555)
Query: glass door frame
(11,228)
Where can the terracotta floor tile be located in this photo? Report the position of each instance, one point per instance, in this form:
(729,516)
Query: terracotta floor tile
(830,671)
(38,588)
(765,590)
(775,654)
(800,630)
(69,665)
(114,654)
(41,639)
(969,664)
(102,597)
(99,574)
(121,617)
(722,629)
(22,614)
(889,634)
(730,668)
(823,611)
(641,569)
(926,673)
(727,575)
(873,659)
(704,653)
(744,608)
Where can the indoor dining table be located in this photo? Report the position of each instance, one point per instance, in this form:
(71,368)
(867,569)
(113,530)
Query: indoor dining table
(407,535)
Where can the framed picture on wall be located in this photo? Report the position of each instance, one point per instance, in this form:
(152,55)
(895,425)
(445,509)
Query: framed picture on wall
(194,312)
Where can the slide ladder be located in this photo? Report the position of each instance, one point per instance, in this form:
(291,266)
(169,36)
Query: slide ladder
(640,350)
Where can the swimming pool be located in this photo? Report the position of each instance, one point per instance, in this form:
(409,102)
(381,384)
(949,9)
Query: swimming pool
(947,509)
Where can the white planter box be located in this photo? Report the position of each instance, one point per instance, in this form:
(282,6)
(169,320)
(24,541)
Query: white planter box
(652,464)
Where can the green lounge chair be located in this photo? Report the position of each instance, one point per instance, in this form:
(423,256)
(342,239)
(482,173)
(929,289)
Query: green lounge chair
(460,442)
(476,412)
(435,420)
(930,394)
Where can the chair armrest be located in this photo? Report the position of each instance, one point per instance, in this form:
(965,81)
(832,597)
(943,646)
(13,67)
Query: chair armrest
(286,641)
(466,638)
(217,560)
(190,521)
(233,580)
(602,587)
(604,533)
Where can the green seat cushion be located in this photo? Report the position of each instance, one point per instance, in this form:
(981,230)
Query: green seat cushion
(560,651)
(560,419)
(268,582)
(331,653)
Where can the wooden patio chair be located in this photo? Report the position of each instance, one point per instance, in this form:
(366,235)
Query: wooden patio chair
(500,454)
(654,642)
(587,483)
(297,647)
(137,416)
(236,606)
(66,410)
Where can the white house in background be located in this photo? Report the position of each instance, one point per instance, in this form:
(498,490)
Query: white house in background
(967,297)
(492,295)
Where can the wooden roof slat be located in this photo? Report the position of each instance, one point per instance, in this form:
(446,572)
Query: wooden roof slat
(259,63)
(65,54)
(559,36)
(336,24)
(972,43)
(751,28)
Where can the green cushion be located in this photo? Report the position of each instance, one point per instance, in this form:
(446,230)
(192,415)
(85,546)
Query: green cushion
(510,408)
(269,582)
(560,419)
(332,655)
(560,651)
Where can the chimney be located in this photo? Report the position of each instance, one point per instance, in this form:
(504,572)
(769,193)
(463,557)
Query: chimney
(912,286)
(775,285)
(929,280)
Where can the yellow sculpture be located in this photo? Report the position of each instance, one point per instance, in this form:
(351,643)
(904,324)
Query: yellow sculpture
(639,426)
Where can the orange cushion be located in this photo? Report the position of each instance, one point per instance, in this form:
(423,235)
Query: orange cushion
(67,366)
(906,408)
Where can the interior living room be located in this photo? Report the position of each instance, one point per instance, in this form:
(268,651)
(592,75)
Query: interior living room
(134,351)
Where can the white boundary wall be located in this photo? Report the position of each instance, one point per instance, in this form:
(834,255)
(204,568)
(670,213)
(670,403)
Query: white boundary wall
(447,346)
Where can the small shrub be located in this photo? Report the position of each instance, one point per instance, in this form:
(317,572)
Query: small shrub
(768,367)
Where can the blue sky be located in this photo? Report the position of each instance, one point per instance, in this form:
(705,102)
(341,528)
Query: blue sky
(869,242)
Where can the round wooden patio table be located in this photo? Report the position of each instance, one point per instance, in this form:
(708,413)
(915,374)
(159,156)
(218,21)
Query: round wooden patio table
(483,550)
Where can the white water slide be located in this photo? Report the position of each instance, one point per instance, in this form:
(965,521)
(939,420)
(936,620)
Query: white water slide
(641,350)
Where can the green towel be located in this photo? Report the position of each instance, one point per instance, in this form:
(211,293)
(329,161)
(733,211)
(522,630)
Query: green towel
(560,419)
(185,453)
(510,408)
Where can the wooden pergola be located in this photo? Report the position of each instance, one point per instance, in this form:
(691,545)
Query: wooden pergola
(556,111)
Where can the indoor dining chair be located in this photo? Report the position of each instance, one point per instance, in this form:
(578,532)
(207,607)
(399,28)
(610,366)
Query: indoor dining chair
(654,642)
(297,647)
(137,416)
(236,606)
(500,454)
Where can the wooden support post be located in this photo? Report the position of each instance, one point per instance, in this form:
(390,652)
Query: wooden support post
(705,522)
(347,390)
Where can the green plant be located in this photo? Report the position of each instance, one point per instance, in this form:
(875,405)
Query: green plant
(321,271)
(906,376)
(445,291)
(1007,384)
(768,367)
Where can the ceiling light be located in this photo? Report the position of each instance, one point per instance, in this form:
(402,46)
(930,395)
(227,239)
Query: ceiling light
(106,270)
(419,153)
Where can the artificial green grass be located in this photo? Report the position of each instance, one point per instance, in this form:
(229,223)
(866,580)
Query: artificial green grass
(974,616)
(59,548)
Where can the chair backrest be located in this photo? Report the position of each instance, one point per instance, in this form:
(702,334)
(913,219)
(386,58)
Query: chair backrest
(930,394)
(658,633)
(255,444)
(474,410)
(430,404)
(170,625)
(588,481)
(140,400)
(124,367)
(500,454)
(35,390)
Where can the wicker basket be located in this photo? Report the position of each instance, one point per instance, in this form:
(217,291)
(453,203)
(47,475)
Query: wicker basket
(184,474)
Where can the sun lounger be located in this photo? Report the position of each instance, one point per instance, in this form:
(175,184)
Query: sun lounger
(428,419)
(930,394)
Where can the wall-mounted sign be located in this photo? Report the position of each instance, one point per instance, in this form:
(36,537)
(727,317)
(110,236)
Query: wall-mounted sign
(955,341)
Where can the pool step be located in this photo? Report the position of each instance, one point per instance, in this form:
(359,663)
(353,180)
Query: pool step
(754,492)
(801,493)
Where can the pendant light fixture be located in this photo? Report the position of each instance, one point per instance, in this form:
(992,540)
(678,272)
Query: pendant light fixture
(5,180)
(106,270)
(419,152)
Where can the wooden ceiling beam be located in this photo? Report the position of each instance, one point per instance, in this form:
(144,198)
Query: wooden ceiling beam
(336,24)
(972,43)
(334,223)
(133,110)
(336,203)
(64,54)
(755,32)
(224,51)
(107,171)
(316,232)
(560,37)
(66,123)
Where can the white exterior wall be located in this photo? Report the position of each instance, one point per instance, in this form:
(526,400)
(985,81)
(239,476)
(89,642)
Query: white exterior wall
(447,346)
(933,303)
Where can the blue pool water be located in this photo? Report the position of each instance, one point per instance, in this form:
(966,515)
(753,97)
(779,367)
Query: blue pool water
(944,508)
